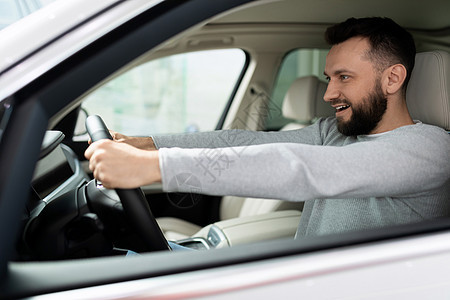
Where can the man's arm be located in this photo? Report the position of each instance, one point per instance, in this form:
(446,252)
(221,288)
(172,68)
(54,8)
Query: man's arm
(118,165)
(311,135)
(237,137)
(392,165)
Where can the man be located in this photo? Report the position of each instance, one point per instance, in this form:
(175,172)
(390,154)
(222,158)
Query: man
(370,166)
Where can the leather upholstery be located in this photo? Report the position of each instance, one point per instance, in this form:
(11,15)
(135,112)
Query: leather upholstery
(428,91)
(304,102)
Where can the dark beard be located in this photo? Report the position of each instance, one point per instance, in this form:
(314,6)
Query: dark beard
(366,116)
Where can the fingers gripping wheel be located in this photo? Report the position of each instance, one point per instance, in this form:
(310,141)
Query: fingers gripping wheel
(135,206)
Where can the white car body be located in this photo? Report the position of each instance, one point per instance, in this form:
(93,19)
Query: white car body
(409,269)
(51,23)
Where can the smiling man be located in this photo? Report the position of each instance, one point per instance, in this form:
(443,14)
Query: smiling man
(364,69)
(369,166)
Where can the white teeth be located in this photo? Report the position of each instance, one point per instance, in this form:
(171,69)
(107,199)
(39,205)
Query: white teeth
(341,107)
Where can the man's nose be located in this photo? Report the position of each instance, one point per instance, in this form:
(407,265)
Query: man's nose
(331,92)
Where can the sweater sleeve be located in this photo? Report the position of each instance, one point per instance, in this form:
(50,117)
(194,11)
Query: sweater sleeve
(399,163)
(236,137)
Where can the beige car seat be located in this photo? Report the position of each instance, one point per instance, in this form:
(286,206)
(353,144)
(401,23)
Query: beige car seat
(429,89)
(303,103)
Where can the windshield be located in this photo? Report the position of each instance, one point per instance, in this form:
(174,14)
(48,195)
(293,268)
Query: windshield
(14,10)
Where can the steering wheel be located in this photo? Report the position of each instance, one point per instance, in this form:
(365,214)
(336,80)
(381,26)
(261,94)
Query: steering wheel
(135,206)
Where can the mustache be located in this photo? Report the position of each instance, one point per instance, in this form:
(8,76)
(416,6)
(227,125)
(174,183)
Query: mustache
(339,101)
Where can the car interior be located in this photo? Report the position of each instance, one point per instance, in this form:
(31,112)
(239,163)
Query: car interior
(59,224)
(215,222)
(302,104)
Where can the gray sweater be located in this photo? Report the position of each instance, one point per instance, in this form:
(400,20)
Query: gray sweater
(347,183)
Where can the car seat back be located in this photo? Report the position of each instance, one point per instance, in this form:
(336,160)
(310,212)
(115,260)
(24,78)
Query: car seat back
(304,102)
(428,91)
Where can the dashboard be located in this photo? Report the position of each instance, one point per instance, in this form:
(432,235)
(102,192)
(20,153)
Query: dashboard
(52,171)
(57,171)
(52,206)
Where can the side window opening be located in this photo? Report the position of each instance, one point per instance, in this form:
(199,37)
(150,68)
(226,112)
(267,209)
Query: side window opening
(181,93)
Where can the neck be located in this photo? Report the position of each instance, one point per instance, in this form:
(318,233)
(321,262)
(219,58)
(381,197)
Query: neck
(396,115)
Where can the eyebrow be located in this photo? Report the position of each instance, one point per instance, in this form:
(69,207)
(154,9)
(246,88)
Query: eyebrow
(339,71)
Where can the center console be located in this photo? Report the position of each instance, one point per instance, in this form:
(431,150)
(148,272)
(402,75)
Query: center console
(274,225)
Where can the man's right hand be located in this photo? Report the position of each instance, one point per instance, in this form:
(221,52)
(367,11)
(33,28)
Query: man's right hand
(120,165)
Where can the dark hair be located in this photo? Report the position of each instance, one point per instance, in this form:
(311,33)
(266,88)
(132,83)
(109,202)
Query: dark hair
(390,43)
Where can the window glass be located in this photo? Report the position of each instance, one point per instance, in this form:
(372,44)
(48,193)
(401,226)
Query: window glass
(13,10)
(181,93)
(8,12)
(298,63)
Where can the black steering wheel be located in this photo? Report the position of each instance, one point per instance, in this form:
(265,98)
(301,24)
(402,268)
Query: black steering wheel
(135,206)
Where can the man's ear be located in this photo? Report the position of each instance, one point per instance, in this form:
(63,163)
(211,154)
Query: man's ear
(395,75)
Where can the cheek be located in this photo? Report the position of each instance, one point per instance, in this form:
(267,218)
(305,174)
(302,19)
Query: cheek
(355,94)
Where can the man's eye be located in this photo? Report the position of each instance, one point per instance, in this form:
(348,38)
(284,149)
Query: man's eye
(327,78)
(344,77)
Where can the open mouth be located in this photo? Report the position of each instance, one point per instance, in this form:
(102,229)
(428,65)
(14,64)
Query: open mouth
(341,108)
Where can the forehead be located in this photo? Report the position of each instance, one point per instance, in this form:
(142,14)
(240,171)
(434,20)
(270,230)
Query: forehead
(349,55)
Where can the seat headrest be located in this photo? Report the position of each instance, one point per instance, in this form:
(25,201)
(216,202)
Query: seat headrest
(428,91)
(304,100)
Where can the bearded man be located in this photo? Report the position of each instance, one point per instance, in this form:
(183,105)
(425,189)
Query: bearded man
(370,166)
